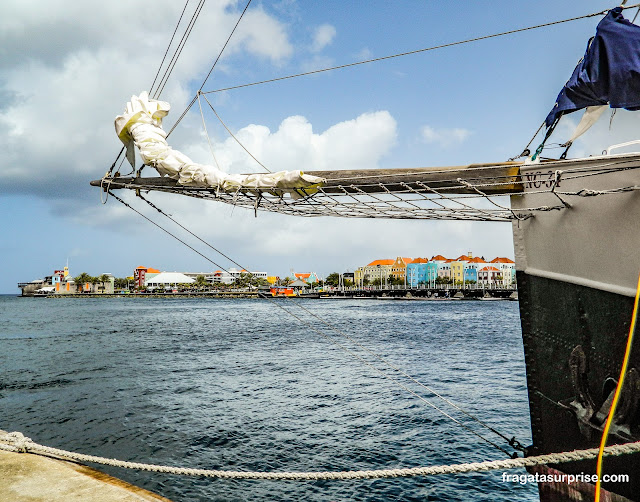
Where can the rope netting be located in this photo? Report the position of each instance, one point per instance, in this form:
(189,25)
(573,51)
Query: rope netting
(477,192)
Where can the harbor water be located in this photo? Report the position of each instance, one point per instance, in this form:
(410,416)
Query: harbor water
(242,385)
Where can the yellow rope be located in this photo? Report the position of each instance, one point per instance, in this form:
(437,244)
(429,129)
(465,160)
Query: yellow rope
(616,396)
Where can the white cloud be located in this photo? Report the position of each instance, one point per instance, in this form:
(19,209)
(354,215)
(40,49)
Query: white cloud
(263,35)
(444,137)
(317,62)
(352,144)
(68,69)
(322,36)
(364,55)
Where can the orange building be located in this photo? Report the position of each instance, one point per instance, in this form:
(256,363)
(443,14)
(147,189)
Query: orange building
(399,268)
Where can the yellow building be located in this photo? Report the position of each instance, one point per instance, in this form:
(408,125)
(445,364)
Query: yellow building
(457,268)
(377,270)
(399,267)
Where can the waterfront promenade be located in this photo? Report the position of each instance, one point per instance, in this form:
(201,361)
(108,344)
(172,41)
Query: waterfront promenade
(422,292)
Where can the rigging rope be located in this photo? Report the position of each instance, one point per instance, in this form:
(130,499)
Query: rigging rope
(225,45)
(178,51)
(186,110)
(163,229)
(204,126)
(16,442)
(357,63)
(231,134)
(168,47)
(432,48)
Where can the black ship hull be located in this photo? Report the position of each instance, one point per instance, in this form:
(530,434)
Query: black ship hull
(574,341)
(577,270)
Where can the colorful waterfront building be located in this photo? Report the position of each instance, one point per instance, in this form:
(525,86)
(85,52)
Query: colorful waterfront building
(507,268)
(471,269)
(416,272)
(141,274)
(377,269)
(457,268)
(432,273)
(399,268)
(307,277)
(489,276)
(231,275)
(443,266)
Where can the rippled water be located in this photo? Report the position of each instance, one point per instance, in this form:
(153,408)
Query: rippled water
(239,384)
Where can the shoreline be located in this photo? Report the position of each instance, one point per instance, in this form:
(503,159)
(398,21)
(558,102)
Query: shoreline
(256,295)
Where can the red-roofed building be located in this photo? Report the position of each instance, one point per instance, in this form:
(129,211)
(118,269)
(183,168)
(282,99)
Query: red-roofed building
(458,267)
(420,272)
(507,268)
(140,274)
(471,268)
(489,276)
(380,263)
(502,260)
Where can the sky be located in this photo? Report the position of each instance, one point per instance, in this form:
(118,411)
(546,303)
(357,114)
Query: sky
(68,68)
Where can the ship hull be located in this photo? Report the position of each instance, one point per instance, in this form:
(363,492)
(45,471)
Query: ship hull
(556,318)
(577,270)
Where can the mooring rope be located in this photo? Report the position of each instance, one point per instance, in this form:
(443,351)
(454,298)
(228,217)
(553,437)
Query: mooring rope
(16,442)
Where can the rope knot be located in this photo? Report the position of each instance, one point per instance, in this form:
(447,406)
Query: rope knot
(19,441)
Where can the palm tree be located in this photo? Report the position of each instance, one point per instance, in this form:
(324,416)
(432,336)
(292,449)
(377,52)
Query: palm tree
(81,280)
(94,281)
(102,279)
(201,281)
(120,283)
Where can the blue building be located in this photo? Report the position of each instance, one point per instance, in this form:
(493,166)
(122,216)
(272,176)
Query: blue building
(417,272)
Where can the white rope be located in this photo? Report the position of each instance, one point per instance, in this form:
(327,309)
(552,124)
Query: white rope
(16,442)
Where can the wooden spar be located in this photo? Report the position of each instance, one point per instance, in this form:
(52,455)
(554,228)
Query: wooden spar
(492,179)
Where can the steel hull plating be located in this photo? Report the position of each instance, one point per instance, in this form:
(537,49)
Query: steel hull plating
(577,270)
(557,317)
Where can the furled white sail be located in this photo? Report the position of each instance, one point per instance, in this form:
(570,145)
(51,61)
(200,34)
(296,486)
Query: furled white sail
(141,124)
(590,117)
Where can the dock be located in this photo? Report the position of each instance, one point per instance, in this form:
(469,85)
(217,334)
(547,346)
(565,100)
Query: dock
(35,478)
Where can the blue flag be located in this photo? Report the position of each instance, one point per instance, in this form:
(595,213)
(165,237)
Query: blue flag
(609,72)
